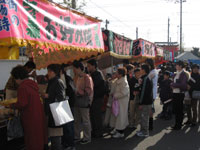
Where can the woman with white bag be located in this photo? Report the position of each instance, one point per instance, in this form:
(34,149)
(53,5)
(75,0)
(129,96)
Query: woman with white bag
(55,93)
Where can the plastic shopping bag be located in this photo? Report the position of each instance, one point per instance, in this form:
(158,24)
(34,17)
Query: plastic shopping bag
(115,107)
(14,128)
(61,112)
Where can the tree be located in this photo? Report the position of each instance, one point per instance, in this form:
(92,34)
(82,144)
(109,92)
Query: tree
(75,4)
(195,51)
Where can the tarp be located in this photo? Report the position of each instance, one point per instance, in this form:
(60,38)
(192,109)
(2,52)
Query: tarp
(186,56)
(50,30)
(194,61)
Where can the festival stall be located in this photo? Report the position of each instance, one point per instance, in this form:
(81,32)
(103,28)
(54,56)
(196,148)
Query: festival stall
(143,49)
(51,33)
(117,48)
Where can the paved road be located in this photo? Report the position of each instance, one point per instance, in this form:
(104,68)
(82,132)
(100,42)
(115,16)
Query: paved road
(161,138)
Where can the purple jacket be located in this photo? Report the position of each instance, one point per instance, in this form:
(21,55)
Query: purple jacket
(181,83)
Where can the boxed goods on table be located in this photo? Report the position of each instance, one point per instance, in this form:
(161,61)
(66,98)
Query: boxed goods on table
(5,112)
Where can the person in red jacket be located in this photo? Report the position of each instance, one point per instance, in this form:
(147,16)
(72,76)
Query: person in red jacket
(30,108)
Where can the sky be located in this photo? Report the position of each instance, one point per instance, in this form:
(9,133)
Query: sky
(151,18)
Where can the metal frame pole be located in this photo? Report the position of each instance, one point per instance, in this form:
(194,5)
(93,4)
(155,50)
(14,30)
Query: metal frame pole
(181,50)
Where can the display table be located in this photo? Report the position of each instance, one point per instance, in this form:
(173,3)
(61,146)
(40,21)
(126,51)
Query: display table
(3,131)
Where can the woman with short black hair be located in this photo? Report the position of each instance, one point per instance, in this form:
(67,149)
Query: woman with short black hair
(55,93)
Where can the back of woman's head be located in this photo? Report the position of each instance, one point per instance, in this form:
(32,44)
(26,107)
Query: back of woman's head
(129,67)
(55,68)
(19,73)
(150,62)
(122,71)
(146,68)
(92,62)
(78,64)
(30,65)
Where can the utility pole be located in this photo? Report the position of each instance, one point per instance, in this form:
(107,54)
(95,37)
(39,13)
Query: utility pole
(107,22)
(168,31)
(177,34)
(181,50)
(74,4)
(181,39)
(136,33)
(170,42)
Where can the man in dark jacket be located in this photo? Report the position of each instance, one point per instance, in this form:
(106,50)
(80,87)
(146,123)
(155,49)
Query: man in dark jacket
(145,101)
(98,99)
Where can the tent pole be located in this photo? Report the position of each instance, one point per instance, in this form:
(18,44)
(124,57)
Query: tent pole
(112,64)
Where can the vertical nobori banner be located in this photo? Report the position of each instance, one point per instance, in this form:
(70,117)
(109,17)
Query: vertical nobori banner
(40,22)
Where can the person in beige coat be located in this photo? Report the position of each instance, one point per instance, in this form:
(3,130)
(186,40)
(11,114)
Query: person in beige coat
(121,94)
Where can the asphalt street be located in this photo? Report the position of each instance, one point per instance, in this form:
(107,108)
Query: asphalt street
(161,138)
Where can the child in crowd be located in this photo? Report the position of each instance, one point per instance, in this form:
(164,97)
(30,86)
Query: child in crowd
(166,96)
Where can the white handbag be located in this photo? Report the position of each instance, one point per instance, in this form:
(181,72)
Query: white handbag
(61,112)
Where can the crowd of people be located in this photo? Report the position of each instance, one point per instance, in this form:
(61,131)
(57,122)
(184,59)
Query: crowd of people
(119,100)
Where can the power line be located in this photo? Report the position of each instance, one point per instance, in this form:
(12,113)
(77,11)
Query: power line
(110,14)
(124,5)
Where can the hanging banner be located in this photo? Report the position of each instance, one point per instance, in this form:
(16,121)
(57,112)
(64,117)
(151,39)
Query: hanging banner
(148,48)
(136,48)
(44,24)
(106,40)
(144,48)
(117,45)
